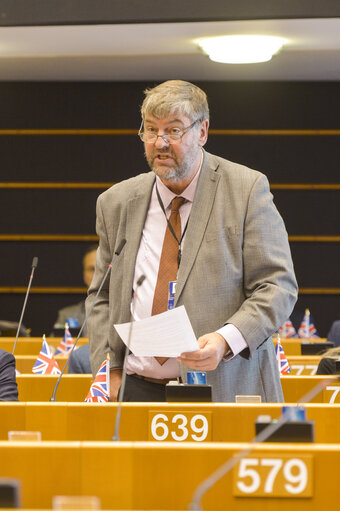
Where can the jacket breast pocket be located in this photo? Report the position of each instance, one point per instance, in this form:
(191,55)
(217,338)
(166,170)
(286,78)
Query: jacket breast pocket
(231,231)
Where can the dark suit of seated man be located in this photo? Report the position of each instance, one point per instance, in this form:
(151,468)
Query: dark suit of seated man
(8,384)
(334,333)
(327,364)
(79,361)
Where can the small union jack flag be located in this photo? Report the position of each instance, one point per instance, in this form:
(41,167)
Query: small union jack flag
(100,389)
(282,362)
(66,343)
(307,330)
(287,330)
(46,363)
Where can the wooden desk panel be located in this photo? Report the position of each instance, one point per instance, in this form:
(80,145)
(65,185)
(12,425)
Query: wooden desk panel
(32,345)
(12,417)
(300,365)
(230,422)
(36,387)
(25,363)
(49,418)
(296,387)
(44,469)
(293,346)
(303,365)
(143,475)
(74,387)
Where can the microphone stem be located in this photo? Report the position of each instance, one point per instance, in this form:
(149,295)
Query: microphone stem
(23,309)
(116,254)
(115,436)
(53,398)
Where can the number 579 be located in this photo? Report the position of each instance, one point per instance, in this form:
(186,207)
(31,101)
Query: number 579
(290,475)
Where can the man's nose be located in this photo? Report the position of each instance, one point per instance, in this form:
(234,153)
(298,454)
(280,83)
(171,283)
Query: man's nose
(161,141)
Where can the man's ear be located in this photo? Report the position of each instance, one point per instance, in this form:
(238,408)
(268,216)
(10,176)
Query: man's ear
(203,133)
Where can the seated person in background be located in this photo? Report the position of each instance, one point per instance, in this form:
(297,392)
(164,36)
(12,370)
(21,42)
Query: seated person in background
(74,315)
(327,362)
(8,384)
(334,333)
(79,361)
(9,329)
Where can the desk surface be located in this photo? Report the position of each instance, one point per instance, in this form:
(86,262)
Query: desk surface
(74,387)
(95,421)
(32,345)
(140,475)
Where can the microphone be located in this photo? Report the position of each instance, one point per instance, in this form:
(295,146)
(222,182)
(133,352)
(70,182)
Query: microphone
(115,436)
(211,480)
(34,265)
(115,255)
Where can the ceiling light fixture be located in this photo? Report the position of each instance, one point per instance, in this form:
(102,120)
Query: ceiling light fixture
(241,49)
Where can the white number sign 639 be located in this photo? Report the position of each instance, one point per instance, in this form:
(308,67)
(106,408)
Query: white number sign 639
(179,427)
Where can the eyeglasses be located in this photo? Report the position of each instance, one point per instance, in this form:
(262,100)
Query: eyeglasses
(174,137)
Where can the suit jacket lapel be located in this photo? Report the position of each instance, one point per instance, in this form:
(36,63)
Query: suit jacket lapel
(137,208)
(199,216)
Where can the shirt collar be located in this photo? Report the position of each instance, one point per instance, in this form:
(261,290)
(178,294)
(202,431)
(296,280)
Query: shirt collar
(188,194)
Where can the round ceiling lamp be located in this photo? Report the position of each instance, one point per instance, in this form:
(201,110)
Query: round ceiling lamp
(241,49)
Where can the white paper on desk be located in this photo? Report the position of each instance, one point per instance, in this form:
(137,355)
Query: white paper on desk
(165,335)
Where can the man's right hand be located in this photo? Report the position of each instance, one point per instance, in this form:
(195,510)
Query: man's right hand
(115,381)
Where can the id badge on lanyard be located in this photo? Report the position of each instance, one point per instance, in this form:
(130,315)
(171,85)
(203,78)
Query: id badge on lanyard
(171,294)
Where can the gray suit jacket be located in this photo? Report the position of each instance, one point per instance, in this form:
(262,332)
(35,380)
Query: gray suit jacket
(236,268)
(8,383)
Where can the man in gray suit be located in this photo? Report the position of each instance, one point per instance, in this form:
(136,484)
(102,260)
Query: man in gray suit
(234,276)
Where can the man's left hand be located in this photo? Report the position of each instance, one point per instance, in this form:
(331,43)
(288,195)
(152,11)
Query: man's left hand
(213,347)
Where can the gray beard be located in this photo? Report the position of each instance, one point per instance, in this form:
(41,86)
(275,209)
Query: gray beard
(174,174)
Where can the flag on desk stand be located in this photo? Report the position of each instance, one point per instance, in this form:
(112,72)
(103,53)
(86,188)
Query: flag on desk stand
(100,389)
(281,359)
(287,330)
(66,343)
(307,330)
(46,363)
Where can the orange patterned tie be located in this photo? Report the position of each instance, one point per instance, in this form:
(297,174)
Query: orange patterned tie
(168,265)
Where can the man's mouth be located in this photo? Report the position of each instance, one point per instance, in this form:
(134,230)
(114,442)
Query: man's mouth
(163,156)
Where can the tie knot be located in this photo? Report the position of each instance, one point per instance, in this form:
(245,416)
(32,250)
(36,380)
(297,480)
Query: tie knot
(176,203)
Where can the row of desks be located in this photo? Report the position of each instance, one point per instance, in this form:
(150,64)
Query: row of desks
(300,365)
(74,387)
(177,422)
(142,475)
(32,345)
(150,470)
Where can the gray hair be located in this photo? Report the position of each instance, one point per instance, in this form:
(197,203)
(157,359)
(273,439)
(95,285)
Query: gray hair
(333,353)
(176,97)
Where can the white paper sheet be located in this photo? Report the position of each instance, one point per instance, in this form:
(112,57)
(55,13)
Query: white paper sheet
(165,335)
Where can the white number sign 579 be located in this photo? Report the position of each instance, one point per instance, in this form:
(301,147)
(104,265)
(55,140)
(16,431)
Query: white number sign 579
(266,476)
